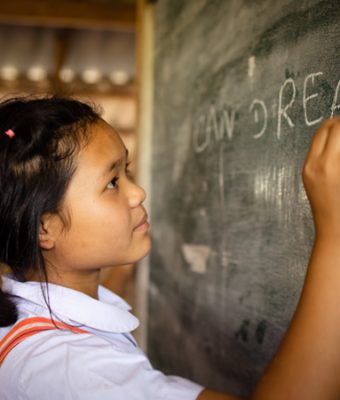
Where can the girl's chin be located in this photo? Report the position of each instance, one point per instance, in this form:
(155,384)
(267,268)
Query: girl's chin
(143,251)
(148,249)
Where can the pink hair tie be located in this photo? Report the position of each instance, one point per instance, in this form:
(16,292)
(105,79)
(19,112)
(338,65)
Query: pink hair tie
(10,133)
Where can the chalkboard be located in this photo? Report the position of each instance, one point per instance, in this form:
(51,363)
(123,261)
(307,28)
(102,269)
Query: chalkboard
(240,87)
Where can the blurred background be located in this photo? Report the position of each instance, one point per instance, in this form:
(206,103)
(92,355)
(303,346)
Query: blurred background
(83,48)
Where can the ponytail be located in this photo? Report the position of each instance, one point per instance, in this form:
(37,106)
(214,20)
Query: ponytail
(8,310)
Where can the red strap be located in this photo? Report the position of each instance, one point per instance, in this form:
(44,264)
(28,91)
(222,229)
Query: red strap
(29,327)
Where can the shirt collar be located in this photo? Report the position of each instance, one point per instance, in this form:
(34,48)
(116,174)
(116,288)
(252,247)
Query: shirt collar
(109,313)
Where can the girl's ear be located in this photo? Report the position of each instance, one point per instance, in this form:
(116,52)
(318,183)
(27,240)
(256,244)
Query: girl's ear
(48,231)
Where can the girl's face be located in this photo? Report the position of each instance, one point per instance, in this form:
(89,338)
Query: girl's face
(108,223)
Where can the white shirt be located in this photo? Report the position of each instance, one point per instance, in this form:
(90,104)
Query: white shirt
(106,364)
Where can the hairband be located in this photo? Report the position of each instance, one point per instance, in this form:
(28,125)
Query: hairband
(10,133)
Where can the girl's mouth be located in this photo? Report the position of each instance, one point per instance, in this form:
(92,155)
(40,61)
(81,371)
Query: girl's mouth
(143,224)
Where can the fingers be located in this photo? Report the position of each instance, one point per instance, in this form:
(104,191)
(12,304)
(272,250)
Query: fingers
(332,145)
(320,142)
(323,160)
(321,177)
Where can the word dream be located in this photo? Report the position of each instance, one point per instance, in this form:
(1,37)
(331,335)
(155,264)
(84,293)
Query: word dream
(216,125)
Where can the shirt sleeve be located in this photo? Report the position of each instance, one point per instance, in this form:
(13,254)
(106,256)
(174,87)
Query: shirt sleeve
(86,367)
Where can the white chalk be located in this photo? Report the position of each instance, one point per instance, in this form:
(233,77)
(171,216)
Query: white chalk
(251,66)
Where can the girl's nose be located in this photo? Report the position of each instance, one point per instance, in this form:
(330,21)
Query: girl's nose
(136,195)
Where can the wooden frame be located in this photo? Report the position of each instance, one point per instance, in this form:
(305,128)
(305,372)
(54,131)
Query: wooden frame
(69,13)
(145,47)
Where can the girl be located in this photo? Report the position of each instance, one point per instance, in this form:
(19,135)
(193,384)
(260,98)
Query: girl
(68,209)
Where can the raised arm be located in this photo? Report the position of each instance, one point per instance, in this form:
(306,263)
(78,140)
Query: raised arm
(307,364)
(212,395)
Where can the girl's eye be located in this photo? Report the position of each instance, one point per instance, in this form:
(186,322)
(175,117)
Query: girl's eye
(113,184)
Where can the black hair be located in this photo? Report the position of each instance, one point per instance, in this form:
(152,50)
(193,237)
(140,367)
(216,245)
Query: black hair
(36,166)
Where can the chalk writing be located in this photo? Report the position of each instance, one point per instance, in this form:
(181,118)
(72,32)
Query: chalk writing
(219,124)
(251,66)
(214,126)
(282,111)
(256,107)
(306,98)
(335,106)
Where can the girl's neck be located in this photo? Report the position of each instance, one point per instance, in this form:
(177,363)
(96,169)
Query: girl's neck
(85,282)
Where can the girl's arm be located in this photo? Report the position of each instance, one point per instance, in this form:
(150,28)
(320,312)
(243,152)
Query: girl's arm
(212,395)
(307,364)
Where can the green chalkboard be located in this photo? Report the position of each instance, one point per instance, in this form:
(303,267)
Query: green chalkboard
(240,87)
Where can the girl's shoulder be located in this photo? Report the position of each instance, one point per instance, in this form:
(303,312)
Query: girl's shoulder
(87,367)
(38,338)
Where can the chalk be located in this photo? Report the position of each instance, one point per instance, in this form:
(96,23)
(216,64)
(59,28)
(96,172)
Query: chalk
(251,66)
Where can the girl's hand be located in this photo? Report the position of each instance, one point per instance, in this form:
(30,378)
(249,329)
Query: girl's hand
(321,177)
(307,363)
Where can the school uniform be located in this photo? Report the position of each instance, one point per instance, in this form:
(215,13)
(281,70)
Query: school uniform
(105,363)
